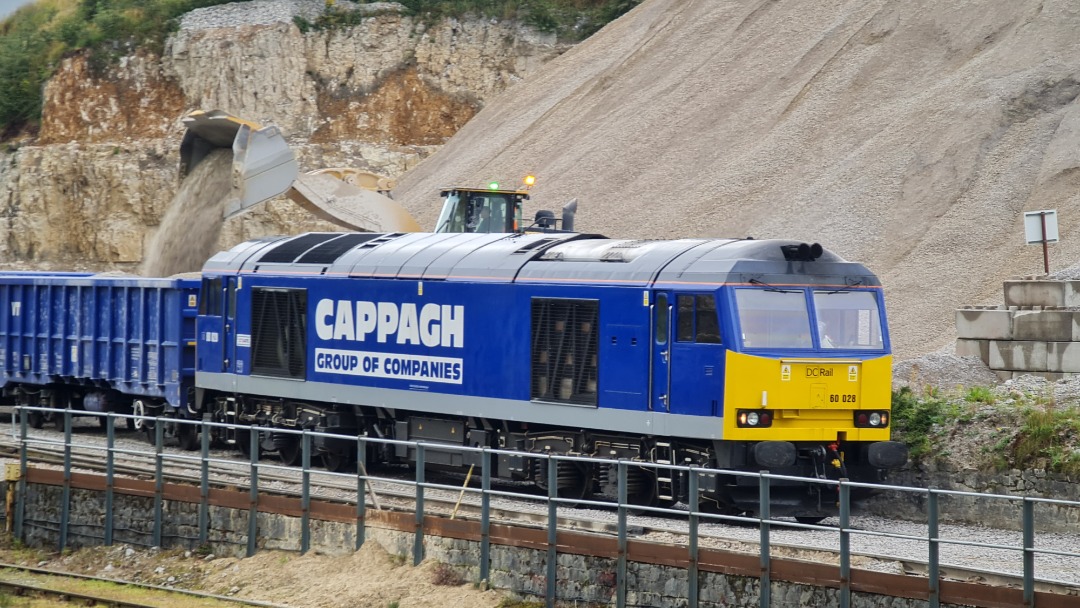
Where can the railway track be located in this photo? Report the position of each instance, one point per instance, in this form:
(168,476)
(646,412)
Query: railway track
(36,582)
(395,491)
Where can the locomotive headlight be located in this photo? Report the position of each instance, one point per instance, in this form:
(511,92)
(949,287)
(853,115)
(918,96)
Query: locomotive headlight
(754,418)
(871,419)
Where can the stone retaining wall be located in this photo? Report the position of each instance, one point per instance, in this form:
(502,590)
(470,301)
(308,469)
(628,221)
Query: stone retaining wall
(583,580)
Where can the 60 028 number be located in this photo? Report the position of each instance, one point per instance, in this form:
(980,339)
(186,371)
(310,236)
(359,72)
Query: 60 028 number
(834,398)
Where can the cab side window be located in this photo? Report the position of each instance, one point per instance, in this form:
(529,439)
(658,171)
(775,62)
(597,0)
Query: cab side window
(210,303)
(696,319)
(708,325)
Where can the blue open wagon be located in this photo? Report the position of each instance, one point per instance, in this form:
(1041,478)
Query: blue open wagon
(96,343)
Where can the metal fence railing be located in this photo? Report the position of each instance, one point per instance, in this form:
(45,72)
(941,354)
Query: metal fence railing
(691,514)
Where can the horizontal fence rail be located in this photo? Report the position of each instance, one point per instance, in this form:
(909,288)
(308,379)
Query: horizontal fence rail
(691,514)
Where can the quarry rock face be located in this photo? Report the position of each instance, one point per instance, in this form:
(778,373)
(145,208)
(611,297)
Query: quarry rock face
(90,190)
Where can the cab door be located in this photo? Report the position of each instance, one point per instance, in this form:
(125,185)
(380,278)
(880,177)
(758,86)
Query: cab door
(660,378)
(228,330)
(697,356)
(209,326)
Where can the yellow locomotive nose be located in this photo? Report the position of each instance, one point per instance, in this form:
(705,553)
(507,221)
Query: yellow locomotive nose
(806,399)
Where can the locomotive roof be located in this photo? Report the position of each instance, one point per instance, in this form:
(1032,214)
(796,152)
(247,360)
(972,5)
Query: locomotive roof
(539,257)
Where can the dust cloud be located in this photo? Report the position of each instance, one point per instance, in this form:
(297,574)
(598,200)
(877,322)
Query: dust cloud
(189,231)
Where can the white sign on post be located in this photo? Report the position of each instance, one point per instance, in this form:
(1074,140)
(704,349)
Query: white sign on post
(1033,226)
(1040,227)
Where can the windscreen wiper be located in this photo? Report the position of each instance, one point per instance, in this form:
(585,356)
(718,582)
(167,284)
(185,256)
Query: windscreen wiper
(773,287)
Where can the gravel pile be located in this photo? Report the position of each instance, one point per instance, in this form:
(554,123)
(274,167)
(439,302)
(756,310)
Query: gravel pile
(942,370)
(909,136)
(268,12)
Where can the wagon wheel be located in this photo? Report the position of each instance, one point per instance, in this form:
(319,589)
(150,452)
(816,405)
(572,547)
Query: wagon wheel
(188,435)
(139,408)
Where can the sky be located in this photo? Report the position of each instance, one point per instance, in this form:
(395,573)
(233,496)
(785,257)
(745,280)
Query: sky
(8,6)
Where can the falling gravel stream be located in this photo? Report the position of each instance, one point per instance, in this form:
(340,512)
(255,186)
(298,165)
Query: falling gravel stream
(189,231)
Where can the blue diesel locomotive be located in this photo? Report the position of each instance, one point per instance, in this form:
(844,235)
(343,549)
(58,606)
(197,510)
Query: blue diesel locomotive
(733,354)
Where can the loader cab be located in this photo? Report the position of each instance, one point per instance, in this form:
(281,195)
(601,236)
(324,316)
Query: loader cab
(481,210)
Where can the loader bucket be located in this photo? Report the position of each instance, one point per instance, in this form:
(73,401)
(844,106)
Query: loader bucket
(263,165)
(329,197)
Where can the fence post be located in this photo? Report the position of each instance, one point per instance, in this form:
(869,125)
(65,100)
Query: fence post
(159,477)
(692,567)
(845,544)
(620,567)
(20,505)
(1029,552)
(305,495)
(418,538)
(253,497)
(204,487)
(65,505)
(485,516)
(764,515)
(552,529)
(934,557)
(361,491)
(110,472)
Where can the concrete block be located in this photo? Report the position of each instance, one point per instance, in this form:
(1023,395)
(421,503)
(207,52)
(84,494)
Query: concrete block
(1042,293)
(1048,325)
(973,348)
(1063,357)
(1021,356)
(1003,374)
(976,324)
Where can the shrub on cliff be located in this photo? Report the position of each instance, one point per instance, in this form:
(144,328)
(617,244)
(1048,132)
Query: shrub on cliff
(36,37)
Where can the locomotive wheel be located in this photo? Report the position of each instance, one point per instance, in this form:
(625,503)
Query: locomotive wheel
(336,462)
(290,448)
(36,420)
(642,490)
(243,442)
(575,480)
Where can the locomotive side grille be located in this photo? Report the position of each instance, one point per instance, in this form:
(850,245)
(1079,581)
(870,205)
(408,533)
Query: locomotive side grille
(293,248)
(565,346)
(330,251)
(278,332)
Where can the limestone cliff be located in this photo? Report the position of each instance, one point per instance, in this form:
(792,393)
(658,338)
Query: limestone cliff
(90,190)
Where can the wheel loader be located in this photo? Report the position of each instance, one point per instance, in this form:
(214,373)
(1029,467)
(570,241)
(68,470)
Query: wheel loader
(263,167)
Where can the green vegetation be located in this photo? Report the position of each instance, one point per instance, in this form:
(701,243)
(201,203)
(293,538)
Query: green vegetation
(571,20)
(990,428)
(36,37)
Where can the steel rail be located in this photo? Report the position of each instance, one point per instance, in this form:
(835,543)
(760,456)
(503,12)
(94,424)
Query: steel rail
(19,587)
